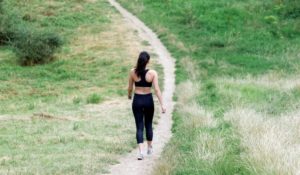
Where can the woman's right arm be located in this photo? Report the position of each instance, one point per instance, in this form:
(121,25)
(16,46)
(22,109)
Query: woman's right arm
(130,84)
(158,92)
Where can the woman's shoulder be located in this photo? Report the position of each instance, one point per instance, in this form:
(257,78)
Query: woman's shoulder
(132,70)
(152,71)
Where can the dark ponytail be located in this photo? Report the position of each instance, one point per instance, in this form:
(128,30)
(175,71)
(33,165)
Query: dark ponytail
(142,61)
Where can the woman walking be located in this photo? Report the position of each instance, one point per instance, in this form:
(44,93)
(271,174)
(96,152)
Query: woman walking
(142,105)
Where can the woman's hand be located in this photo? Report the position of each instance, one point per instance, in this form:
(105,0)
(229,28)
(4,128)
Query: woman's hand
(163,109)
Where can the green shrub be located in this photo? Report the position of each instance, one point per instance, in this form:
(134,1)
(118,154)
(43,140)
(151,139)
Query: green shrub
(291,9)
(6,35)
(3,38)
(33,47)
(7,25)
(2,35)
(1,9)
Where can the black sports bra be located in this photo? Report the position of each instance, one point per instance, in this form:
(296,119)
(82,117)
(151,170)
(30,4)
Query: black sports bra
(143,82)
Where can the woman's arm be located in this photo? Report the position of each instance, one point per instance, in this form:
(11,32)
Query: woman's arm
(157,91)
(130,85)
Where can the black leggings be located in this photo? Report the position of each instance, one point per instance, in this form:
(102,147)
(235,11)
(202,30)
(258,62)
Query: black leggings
(143,107)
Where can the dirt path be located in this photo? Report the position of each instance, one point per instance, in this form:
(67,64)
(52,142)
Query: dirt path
(129,165)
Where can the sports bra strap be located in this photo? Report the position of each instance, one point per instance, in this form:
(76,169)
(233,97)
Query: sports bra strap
(143,82)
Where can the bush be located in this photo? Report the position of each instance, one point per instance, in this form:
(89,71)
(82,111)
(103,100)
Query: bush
(291,9)
(2,35)
(3,38)
(6,26)
(6,35)
(1,9)
(33,47)
(9,24)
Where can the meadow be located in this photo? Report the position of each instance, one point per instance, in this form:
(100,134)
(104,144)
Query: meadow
(238,88)
(70,116)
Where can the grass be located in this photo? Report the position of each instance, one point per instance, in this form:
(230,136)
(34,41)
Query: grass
(269,141)
(82,144)
(94,99)
(69,116)
(85,63)
(75,71)
(238,55)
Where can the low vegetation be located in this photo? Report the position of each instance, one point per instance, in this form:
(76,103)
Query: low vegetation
(31,46)
(239,60)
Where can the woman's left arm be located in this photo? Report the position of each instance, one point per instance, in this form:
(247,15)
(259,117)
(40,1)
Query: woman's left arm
(130,85)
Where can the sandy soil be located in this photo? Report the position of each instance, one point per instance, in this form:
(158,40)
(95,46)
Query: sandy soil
(129,164)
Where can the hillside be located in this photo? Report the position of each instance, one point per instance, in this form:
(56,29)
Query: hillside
(238,88)
(71,115)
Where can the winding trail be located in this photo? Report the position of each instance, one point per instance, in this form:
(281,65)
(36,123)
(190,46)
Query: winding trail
(129,165)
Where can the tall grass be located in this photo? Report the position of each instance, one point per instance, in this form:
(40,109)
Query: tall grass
(272,144)
(245,54)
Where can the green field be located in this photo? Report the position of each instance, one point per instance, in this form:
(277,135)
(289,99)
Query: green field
(238,84)
(76,75)
(237,87)
(70,116)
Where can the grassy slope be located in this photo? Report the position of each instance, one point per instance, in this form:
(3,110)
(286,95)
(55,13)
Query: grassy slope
(76,73)
(78,138)
(238,54)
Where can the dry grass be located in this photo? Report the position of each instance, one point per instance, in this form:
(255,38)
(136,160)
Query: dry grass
(272,144)
(208,148)
(109,42)
(194,114)
(271,80)
(176,42)
(104,131)
(190,66)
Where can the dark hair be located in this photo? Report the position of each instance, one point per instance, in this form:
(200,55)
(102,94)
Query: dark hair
(142,61)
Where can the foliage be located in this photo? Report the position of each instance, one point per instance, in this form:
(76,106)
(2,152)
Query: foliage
(1,8)
(33,47)
(2,32)
(288,8)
